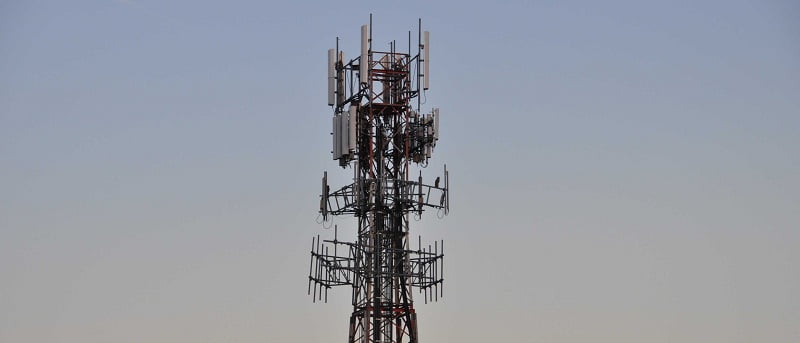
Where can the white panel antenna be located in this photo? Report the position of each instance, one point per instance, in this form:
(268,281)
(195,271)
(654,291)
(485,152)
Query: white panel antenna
(331,76)
(352,128)
(340,91)
(337,152)
(435,123)
(364,54)
(344,129)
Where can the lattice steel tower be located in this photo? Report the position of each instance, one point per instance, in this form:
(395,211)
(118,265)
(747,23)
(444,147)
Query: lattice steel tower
(379,132)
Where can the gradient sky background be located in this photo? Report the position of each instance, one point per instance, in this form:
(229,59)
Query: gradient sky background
(620,171)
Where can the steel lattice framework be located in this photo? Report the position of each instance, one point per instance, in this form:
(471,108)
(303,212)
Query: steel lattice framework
(378,131)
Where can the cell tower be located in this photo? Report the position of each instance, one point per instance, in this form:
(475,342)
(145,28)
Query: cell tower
(379,132)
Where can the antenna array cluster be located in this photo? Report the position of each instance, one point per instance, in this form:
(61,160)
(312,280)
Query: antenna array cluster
(381,133)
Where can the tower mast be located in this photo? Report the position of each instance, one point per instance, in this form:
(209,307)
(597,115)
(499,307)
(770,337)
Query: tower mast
(378,132)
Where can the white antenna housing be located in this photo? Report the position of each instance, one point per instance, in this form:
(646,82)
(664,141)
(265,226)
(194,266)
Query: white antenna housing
(435,123)
(335,135)
(331,76)
(427,53)
(344,129)
(364,66)
(340,91)
(352,128)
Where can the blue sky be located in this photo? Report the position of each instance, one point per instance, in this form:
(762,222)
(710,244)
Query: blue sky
(621,171)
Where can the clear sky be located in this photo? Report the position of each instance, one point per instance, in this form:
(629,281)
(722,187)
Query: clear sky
(620,171)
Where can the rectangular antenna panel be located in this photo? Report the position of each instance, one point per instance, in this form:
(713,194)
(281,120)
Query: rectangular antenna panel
(333,137)
(344,129)
(364,66)
(352,127)
(435,123)
(331,76)
(336,140)
(427,53)
(340,90)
